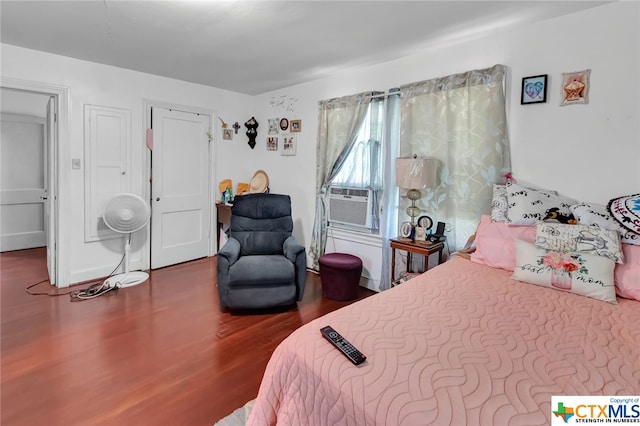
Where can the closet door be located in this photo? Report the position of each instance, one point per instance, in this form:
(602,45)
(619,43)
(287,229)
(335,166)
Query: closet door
(180,221)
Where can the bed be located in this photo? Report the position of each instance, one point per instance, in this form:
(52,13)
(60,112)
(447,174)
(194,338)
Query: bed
(462,344)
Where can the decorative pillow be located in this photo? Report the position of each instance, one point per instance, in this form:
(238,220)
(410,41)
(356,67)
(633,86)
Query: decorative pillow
(579,238)
(597,214)
(527,206)
(626,210)
(579,273)
(499,204)
(627,275)
(494,243)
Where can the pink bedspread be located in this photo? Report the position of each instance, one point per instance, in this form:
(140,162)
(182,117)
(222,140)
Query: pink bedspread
(462,344)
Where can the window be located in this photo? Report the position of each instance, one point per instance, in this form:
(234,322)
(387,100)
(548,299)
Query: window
(363,167)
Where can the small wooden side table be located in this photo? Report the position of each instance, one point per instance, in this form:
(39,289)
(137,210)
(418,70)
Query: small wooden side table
(425,248)
(224,218)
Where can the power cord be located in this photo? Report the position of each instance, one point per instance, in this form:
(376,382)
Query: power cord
(94,290)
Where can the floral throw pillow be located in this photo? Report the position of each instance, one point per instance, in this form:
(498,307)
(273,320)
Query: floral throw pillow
(579,238)
(527,206)
(580,273)
(597,214)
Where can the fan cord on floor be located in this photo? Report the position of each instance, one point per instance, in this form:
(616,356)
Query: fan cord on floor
(94,290)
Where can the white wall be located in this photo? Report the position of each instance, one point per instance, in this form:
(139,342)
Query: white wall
(91,83)
(590,152)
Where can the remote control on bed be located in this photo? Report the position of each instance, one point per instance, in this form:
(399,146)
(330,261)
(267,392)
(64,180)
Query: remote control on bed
(343,345)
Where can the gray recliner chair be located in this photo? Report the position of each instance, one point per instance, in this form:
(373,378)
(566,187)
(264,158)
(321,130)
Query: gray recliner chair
(261,265)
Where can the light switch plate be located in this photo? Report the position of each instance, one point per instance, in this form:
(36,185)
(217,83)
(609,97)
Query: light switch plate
(75,163)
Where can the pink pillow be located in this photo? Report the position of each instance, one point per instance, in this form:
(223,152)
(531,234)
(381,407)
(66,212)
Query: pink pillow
(627,275)
(494,243)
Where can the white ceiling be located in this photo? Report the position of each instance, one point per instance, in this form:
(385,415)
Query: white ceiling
(255,47)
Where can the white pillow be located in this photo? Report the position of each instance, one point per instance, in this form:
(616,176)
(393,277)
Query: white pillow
(596,214)
(579,273)
(528,206)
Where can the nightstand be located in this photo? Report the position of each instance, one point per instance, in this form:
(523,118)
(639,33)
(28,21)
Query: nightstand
(424,248)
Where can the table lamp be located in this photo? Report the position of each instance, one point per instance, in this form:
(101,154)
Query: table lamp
(414,174)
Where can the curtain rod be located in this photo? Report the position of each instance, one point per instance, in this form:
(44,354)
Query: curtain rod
(394,91)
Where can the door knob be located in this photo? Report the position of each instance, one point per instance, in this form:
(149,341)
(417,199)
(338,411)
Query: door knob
(158,199)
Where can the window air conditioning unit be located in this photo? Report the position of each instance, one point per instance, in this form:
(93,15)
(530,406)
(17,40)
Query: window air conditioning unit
(350,207)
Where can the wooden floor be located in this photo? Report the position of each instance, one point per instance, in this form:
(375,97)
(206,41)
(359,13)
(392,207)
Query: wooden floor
(160,353)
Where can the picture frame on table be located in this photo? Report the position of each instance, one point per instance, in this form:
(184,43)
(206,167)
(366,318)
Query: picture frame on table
(534,89)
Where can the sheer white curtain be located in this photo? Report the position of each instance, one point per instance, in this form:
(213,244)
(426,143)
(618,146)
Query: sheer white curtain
(389,203)
(460,120)
(339,122)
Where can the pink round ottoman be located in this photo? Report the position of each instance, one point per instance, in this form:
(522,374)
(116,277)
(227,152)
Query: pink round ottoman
(340,275)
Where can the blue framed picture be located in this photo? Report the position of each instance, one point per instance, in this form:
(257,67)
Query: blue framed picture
(534,89)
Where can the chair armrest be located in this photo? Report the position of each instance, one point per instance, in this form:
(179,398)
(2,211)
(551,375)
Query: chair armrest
(230,252)
(292,248)
(296,253)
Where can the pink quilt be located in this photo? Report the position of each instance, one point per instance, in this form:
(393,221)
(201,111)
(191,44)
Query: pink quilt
(462,344)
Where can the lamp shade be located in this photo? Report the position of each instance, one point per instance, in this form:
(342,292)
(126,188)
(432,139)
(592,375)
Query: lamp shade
(416,173)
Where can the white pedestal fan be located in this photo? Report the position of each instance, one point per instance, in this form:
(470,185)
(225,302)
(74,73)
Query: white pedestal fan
(126,213)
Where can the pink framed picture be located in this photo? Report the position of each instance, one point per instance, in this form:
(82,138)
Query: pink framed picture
(575,88)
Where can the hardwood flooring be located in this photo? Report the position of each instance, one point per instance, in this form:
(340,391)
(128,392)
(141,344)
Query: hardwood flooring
(160,353)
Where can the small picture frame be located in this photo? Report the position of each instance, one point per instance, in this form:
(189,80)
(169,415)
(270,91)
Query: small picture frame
(296,126)
(421,233)
(284,124)
(272,143)
(273,126)
(227,134)
(289,143)
(534,90)
(575,87)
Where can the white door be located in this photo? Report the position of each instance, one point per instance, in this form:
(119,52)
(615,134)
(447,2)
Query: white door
(22,190)
(179,187)
(49,185)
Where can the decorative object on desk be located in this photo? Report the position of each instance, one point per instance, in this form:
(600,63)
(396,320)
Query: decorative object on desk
(259,182)
(296,126)
(414,174)
(284,124)
(420,233)
(236,127)
(273,126)
(252,132)
(242,188)
(405,229)
(289,143)
(272,143)
(575,87)
(227,134)
(425,222)
(534,89)
(438,235)
(223,186)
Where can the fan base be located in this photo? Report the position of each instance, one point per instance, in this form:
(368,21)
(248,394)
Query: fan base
(127,280)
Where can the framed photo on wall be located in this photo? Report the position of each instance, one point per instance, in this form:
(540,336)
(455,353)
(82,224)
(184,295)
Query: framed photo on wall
(296,126)
(272,143)
(534,89)
(288,145)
